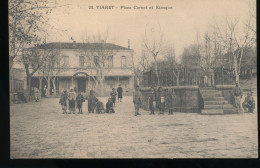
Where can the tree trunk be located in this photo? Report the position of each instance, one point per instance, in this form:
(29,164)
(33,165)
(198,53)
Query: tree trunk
(236,68)
(48,85)
(156,70)
(178,78)
(101,87)
(54,85)
(28,80)
(40,84)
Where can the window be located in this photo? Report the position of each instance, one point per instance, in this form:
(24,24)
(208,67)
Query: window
(96,60)
(110,61)
(123,61)
(66,60)
(81,61)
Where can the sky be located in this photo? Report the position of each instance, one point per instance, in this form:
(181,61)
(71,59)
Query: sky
(179,25)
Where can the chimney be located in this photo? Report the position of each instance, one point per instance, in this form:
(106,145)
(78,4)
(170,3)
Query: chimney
(128,44)
(74,43)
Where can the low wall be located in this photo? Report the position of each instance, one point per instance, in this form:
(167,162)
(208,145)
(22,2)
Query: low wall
(227,92)
(187,98)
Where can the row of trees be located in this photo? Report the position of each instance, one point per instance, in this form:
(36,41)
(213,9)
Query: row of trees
(228,43)
(27,31)
(28,22)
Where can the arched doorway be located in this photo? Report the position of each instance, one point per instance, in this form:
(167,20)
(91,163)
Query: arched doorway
(81,81)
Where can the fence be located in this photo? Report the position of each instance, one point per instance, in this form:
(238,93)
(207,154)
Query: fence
(189,76)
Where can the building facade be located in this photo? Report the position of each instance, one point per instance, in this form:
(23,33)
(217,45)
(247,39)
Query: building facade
(17,80)
(86,62)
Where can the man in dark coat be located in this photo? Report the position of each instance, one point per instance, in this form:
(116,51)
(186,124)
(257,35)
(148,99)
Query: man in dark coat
(91,102)
(120,93)
(137,100)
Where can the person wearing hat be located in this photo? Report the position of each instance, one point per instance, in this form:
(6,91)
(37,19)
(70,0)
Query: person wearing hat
(249,103)
(238,95)
(120,91)
(72,99)
(137,99)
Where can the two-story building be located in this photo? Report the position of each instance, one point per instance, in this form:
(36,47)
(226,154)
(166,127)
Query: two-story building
(81,74)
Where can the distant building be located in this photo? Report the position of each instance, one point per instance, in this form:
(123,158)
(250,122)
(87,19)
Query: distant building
(80,74)
(17,78)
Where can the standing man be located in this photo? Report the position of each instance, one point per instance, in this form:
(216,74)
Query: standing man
(137,99)
(238,95)
(119,92)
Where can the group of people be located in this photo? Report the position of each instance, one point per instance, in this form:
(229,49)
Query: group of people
(161,99)
(71,101)
(249,102)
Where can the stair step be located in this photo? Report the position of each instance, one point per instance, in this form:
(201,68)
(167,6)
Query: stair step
(211,95)
(212,111)
(210,91)
(230,111)
(213,99)
(215,102)
(224,106)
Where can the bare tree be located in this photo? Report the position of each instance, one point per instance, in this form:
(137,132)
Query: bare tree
(33,60)
(26,20)
(170,59)
(97,58)
(154,46)
(234,37)
(141,66)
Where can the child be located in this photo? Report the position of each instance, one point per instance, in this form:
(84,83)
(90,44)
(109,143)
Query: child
(63,101)
(109,106)
(100,107)
(80,99)
(151,102)
(113,96)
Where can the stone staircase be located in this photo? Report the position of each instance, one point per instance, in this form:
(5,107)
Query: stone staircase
(214,102)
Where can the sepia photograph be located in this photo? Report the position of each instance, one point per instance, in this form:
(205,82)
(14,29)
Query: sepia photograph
(114,79)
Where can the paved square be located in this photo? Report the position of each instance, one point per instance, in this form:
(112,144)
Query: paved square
(40,130)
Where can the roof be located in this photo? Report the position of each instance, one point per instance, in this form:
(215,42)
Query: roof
(94,46)
(92,72)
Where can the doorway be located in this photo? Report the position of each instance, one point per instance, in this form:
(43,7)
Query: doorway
(81,84)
